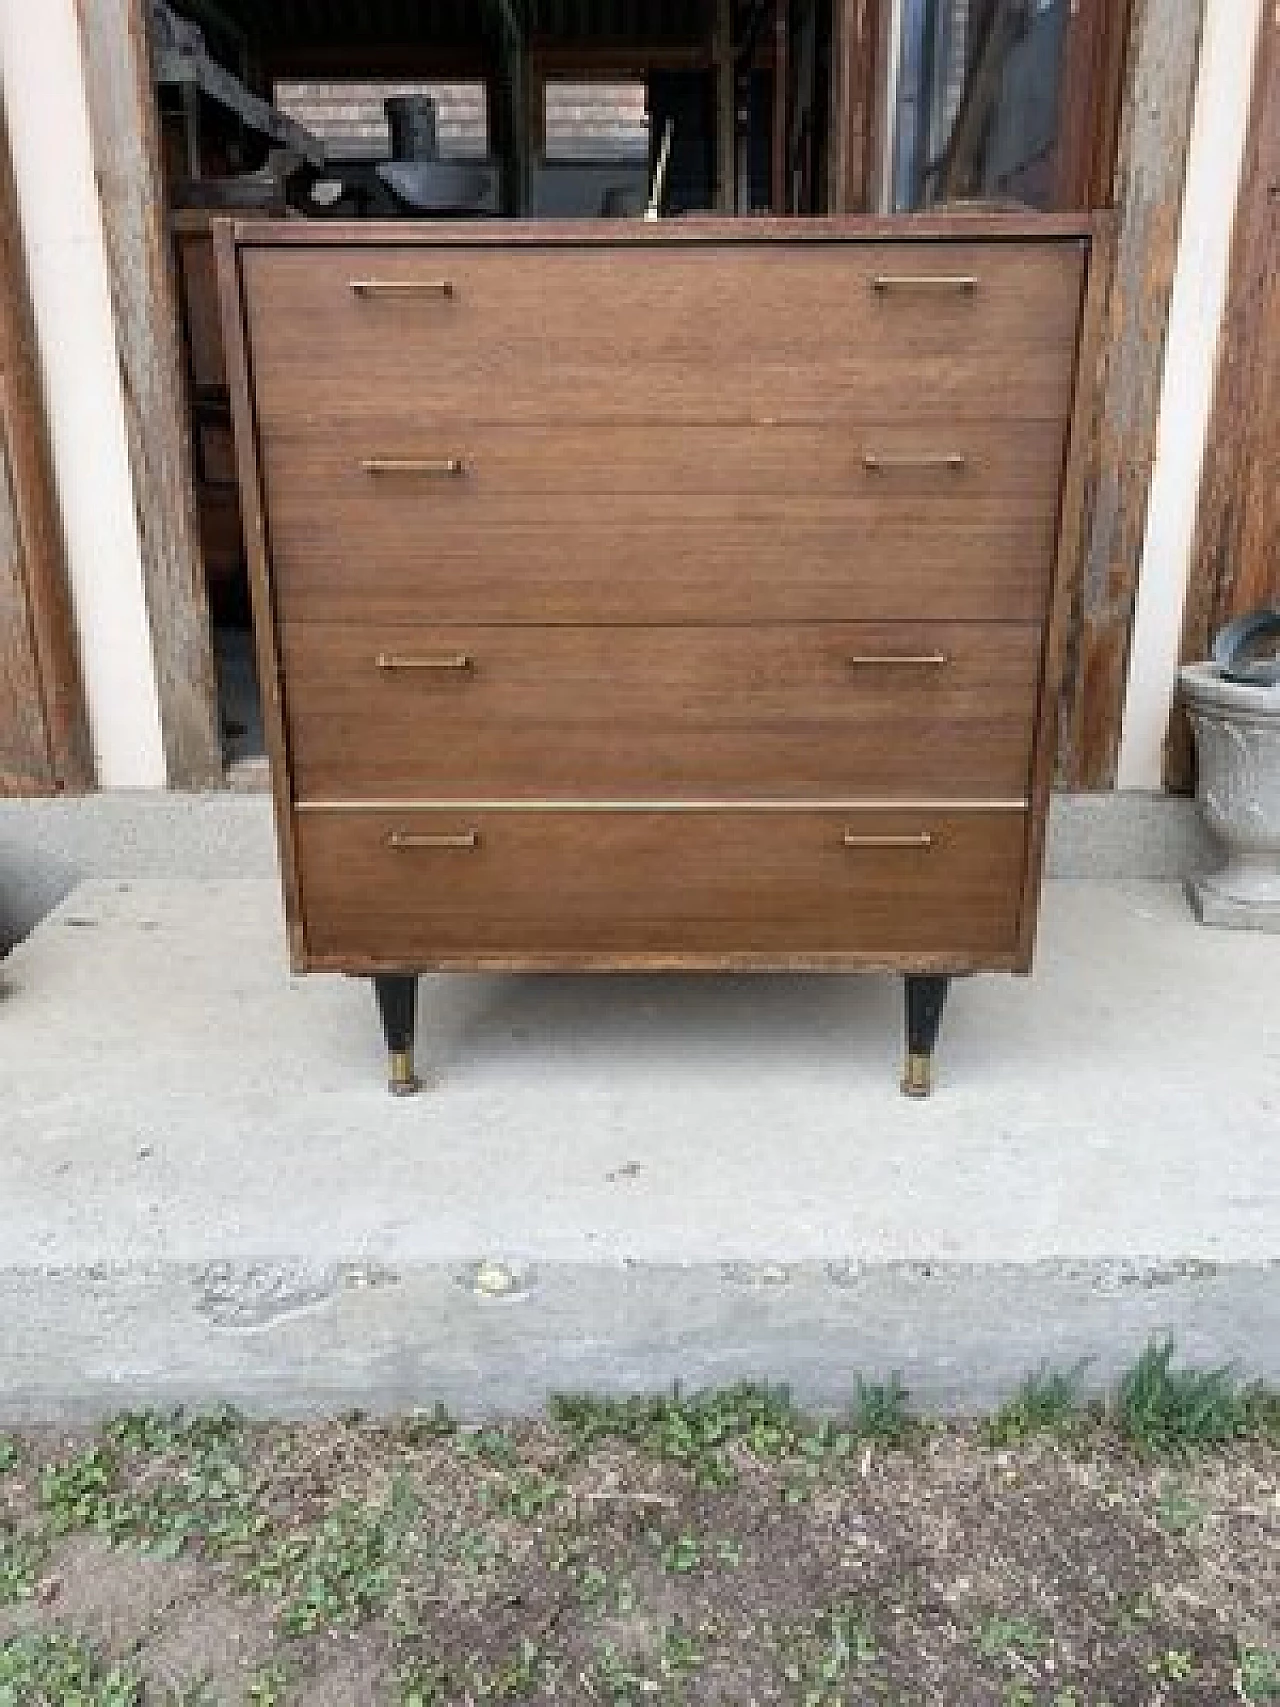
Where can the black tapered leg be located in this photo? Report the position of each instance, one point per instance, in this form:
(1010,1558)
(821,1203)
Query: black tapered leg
(926,998)
(397,994)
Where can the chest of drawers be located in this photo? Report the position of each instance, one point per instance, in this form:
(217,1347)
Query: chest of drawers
(657,596)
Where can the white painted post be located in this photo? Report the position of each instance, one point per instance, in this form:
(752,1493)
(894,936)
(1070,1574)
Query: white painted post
(1218,135)
(44,95)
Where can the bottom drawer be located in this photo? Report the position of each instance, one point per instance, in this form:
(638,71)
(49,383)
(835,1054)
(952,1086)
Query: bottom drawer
(434,887)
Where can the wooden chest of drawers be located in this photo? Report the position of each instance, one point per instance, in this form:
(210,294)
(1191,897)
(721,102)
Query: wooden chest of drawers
(657,596)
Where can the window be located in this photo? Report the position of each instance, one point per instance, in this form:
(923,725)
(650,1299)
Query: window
(350,118)
(596,120)
(976,113)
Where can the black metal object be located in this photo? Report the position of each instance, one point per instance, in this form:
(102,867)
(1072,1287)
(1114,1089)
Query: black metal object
(397,996)
(926,996)
(416,175)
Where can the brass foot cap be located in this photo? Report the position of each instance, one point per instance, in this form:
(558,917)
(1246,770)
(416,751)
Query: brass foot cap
(917,1076)
(404,1081)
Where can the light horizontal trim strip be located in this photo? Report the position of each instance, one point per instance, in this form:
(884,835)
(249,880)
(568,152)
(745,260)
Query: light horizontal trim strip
(471,804)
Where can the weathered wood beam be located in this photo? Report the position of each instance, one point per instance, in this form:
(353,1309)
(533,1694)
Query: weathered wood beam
(726,111)
(1236,562)
(1163,61)
(124,127)
(856,35)
(44,738)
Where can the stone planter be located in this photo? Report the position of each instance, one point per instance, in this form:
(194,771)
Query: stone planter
(1237,729)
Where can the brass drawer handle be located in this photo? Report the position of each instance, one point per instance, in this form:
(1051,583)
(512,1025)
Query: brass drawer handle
(896,660)
(399,839)
(964,283)
(403,661)
(447,467)
(403,287)
(875,463)
(923,840)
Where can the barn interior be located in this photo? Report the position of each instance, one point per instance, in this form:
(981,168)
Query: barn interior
(563,109)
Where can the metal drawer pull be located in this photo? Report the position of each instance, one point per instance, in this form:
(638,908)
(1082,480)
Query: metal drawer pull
(923,840)
(449,467)
(399,839)
(965,283)
(449,661)
(403,287)
(894,660)
(875,463)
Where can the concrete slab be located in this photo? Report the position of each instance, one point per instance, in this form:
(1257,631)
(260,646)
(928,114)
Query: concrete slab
(206,1194)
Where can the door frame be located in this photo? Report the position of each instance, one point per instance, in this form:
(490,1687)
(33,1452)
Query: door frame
(52,753)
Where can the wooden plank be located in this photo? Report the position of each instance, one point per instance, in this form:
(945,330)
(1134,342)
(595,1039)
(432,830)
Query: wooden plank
(1236,562)
(1125,405)
(126,152)
(985,225)
(726,122)
(856,37)
(44,741)
(270,675)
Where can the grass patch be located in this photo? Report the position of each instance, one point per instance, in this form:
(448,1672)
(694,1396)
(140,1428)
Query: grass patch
(1000,1636)
(59,1671)
(881,1413)
(194,1486)
(820,1657)
(1161,1411)
(338,1575)
(1258,1676)
(22,1556)
(1047,1402)
(10,1454)
(700,1431)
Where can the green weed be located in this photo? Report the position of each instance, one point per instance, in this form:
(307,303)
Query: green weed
(337,1575)
(1258,1675)
(78,1493)
(1166,1412)
(821,1657)
(527,1495)
(56,1670)
(1001,1636)
(10,1454)
(21,1557)
(880,1412)
(1047,1402)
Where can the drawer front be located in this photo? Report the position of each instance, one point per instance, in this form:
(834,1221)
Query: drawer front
(630,558)
(877,710)
(613,524)
(434,887)
(657,331)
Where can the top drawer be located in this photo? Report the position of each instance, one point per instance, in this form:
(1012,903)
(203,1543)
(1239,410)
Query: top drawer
(654,331)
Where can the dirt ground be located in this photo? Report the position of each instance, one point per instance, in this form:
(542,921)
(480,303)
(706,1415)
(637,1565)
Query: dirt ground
(721,1550)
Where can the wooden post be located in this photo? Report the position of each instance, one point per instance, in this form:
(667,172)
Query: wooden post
(44,741)
(855,43)
(778,199)
(124,130)
(1236,562)
(726,110)
(1156,129)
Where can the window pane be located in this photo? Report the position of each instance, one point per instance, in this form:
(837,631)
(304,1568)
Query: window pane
(350,118)
(596,120)
(977,107)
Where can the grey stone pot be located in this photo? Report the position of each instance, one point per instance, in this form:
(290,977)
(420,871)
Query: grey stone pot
(1237,729)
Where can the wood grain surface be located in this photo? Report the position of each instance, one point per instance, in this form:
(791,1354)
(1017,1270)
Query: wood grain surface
(661,883)
(825,709)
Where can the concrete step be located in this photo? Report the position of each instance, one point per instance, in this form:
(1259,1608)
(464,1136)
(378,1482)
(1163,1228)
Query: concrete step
(206,1194)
